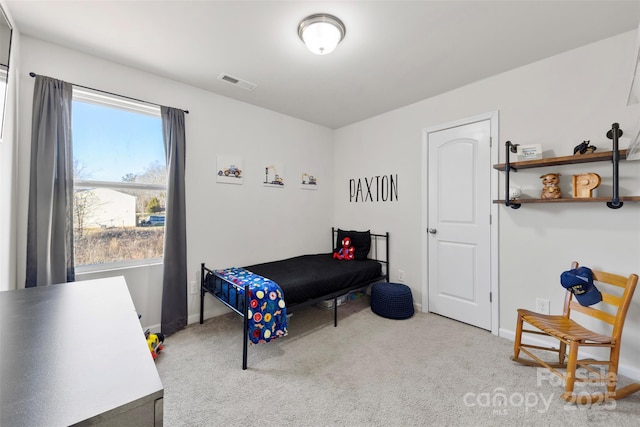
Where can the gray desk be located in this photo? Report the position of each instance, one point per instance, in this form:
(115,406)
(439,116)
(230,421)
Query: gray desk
(75,353)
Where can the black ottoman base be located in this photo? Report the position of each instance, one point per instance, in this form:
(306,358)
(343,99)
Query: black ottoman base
(391,300)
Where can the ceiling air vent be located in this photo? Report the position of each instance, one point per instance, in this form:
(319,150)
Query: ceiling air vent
(237,82)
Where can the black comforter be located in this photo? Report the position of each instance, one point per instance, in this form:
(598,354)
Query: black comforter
(307,277)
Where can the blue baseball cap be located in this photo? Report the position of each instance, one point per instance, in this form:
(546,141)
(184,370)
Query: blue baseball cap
(580,282)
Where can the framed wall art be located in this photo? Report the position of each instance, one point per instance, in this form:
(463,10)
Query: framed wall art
(229,170)
(308,181)
(273,175)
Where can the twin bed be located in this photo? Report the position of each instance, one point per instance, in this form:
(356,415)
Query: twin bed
(263,294)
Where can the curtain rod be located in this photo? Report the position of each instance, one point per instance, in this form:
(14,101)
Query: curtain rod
(32,74)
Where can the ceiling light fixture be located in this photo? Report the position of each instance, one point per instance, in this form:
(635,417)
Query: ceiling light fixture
(321,33)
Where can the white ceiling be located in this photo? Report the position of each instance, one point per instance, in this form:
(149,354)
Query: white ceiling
(395,53)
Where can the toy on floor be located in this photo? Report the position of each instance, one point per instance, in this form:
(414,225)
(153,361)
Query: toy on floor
(154,341)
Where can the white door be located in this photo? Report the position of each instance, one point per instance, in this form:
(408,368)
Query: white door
(459,215)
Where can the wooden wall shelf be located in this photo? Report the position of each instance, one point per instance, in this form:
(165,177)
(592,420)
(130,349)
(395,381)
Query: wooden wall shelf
(615,155)
(565,160)
(576,200)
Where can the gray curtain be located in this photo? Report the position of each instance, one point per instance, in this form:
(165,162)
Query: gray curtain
(174,280)
(50,217)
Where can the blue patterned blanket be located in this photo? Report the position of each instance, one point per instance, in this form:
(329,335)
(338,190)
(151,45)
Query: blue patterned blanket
(267,313)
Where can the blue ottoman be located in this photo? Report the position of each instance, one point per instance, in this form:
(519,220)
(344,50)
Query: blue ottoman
(391,300)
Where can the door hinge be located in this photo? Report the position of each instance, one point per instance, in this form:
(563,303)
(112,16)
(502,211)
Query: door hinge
(490,142)
(490,296)
(490,219)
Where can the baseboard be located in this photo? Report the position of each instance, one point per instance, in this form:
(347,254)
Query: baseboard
(195,318)
(153,328)
(625,370)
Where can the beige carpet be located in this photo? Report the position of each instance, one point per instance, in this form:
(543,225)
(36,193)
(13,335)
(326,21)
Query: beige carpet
(369,371)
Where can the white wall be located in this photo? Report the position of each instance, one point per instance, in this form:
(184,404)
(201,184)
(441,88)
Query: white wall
(557,102)
(226,224)
(8,169)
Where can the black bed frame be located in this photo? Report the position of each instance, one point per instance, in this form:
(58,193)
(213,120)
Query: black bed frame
(243,291)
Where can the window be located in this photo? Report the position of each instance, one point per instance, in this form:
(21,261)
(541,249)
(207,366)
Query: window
(119,173)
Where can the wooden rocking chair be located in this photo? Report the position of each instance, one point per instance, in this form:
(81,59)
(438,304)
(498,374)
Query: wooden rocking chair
(573,336)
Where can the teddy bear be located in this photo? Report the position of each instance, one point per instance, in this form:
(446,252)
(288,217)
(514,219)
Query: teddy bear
(550,186)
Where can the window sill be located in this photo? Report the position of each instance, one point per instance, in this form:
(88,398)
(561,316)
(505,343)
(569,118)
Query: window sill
(117,266)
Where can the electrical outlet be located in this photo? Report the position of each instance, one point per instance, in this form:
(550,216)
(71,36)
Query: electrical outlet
(542,306)
(193,287)
(400,275)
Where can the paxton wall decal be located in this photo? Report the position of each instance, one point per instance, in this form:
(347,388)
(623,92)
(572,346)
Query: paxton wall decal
(230,170)
(379,188)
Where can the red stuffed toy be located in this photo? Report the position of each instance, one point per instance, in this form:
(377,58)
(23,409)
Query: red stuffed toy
(347,251)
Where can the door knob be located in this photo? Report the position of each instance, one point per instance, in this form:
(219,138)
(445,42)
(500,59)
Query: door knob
(432,230)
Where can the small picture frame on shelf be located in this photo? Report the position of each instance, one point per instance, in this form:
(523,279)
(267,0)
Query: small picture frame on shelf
(529,152)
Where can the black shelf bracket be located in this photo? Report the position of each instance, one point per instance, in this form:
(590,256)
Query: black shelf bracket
(509,148)
(613,135)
